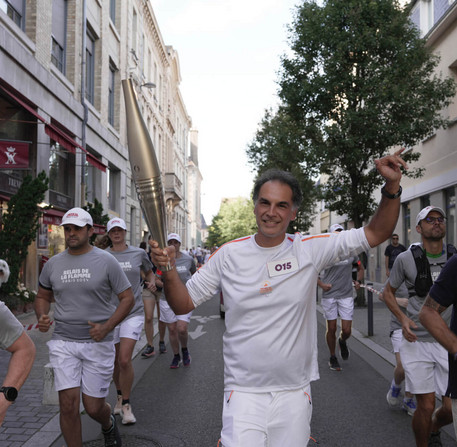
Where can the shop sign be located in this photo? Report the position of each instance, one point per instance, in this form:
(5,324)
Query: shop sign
(14,154)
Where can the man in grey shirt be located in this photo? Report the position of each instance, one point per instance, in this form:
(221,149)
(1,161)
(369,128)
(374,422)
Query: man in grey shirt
(81,281)
(338,300)
(424,360)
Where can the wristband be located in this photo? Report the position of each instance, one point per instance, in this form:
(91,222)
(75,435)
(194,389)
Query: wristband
(389,195)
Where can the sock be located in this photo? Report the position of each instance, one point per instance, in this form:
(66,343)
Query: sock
(125,401)
(184,350)
(119,392)
(395,385)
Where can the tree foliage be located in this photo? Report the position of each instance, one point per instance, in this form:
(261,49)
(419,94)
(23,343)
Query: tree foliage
(357,82)
(20,225)
(234,219)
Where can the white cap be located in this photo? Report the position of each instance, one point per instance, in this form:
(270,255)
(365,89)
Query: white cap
(115,222)
(425,212)
(174,236)
(335,227)
(78,217)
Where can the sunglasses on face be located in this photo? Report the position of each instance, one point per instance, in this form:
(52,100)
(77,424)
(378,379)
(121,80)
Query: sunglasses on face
(432,220)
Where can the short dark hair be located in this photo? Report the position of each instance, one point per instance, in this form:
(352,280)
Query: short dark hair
(284,177)
(394,235)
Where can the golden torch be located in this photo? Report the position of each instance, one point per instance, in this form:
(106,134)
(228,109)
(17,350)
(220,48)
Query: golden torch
(145,168)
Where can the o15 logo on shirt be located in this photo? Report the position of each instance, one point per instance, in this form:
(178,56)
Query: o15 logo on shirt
(282,267)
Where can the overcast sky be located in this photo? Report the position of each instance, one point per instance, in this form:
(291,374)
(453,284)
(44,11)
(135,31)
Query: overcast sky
(229,53)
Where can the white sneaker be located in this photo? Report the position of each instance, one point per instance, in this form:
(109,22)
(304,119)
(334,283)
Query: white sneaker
(118,406)
(394,396)
(127,415)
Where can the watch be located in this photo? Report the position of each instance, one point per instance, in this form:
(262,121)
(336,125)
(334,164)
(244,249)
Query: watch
(389,195)
(9,392)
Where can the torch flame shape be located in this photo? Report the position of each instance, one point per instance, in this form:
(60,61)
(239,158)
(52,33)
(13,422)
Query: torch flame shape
(145,168)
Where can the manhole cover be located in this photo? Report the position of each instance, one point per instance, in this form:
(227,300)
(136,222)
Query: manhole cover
(127,441)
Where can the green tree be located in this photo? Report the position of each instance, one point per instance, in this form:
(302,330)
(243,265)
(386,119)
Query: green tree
(20,225)
(235,219)
(277,144)
(358,81)
(98,216)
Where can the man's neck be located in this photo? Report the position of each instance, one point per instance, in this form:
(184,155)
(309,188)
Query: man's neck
(80,251)
(433,247)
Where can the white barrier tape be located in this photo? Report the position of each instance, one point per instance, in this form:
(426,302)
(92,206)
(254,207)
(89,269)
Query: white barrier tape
(33,326)
(371,289)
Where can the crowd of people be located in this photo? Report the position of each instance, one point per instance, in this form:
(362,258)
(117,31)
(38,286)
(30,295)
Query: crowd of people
(104,294)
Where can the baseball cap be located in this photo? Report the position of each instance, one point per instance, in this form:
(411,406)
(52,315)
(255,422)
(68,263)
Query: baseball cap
(425,212)
(335,227)
(78,217)
(115,222)
(174,236)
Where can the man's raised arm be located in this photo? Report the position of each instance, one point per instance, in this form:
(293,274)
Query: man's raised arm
(175,290)
(382,224)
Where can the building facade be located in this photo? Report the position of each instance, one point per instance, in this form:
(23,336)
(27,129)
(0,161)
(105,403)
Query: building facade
(61,66)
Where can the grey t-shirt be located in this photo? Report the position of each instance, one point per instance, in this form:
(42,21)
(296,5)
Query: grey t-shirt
(132,260)
(404,270)
(10,328)
(185,266)
(340,277)
(82,286)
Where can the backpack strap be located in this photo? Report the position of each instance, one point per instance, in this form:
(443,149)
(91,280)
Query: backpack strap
(423,281)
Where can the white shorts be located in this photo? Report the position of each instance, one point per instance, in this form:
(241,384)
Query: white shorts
(396,338)
(344,307)
(454,414)
(168,316)
(88,366)
(275,419)
(130,328)
(426,367)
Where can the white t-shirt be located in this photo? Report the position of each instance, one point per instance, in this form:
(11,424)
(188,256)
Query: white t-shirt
(270,340)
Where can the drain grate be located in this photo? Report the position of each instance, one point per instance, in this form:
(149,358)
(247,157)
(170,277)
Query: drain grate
(128,441)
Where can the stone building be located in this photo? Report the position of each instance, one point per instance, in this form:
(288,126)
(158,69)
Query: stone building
(61,66)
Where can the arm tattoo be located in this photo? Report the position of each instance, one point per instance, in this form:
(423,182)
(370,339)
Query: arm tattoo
(430,302)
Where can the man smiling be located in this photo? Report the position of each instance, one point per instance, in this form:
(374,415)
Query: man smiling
(269,285)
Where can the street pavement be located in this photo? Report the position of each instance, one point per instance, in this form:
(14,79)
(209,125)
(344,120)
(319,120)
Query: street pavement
(183,407)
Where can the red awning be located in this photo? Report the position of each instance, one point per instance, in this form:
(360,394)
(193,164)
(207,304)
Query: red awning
(55,133)
(22,103)
(99,229)
(52,217)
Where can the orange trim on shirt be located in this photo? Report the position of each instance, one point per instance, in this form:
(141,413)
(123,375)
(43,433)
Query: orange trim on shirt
(315,237)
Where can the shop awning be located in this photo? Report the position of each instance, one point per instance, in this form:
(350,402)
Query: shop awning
(55,133)
(52,217)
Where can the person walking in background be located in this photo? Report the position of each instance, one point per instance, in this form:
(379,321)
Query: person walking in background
(392,251)
(394,397)
(269,284)
(13,339)
(133,261)
(82,280)
(424,359)
(338,300)
(442,295)
(177,324)
(151,301)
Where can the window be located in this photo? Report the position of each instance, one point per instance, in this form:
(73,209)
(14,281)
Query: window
(111,95)
(450,214)
(61,171)
(425,201)
(59,33)
(93,182)
(90,67)
(112,10)
(113,183)
(406,224)
(14,9)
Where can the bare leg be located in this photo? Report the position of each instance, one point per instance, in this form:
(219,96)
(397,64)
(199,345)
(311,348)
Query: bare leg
(70,419)
(126,373)
(331,336)
(173,336)
(422,419)
(149,305)
(98,410)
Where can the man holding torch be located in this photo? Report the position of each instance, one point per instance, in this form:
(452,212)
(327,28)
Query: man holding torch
(268,280)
